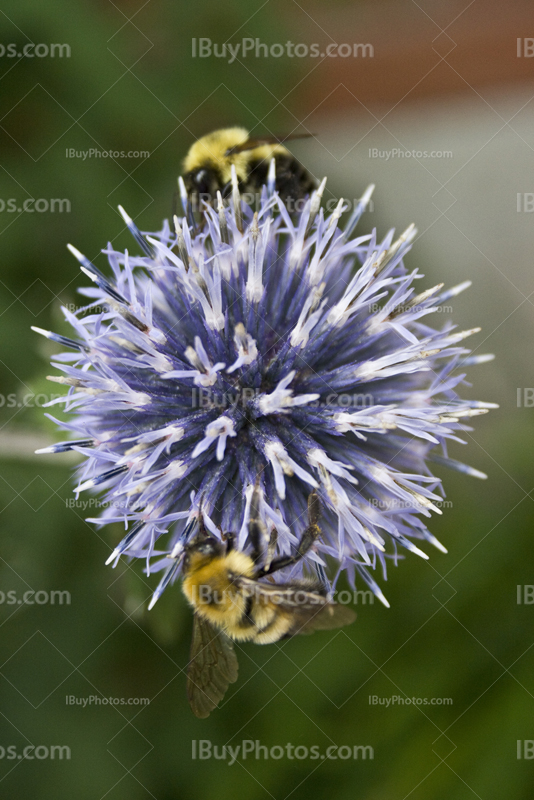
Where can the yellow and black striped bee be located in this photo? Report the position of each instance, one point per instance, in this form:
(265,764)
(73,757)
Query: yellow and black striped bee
(208,165)
(231,602)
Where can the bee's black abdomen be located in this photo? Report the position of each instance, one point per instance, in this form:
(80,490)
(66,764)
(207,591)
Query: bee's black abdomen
(292,179)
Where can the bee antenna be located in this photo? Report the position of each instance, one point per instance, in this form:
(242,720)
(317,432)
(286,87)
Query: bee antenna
(256,492)
(188,530)
(260,472)
(202,532)
(314,508)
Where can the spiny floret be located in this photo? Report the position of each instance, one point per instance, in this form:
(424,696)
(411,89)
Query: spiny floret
(272,350)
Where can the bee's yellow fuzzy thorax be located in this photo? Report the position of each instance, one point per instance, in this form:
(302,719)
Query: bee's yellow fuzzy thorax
(209,589)
(210,151)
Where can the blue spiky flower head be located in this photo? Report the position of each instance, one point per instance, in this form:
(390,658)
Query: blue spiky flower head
(270,349)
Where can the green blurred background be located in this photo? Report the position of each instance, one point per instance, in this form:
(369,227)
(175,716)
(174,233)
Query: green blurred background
(443,76)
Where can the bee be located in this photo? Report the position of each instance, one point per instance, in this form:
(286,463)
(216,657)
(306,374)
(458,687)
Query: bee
(232,602)
(208,165)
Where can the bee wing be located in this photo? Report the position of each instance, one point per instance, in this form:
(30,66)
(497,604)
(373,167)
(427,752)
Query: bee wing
(259,141)
(212,667)
(310,609)
(331,615)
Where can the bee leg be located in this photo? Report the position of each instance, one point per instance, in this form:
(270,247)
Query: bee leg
(191,219)
(202,532)
(256,528)
(271,548)
(308,538)
(226,191)
(314,509)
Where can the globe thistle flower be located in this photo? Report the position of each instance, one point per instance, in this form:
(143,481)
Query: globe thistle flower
(272,350)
